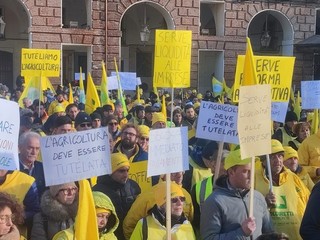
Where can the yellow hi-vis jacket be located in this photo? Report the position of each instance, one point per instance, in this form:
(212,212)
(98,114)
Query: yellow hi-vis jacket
(292,197)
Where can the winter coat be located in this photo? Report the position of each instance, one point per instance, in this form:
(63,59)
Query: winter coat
(226,208)
(54,217)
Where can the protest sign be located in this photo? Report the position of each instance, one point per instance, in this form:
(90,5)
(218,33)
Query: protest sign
(77,76)
(276,71)
(310,94)
(9,135)
(138,173)
(279,111)
(75,156)
(128,80)
(172,59)
(36,62)
(254,116)
(218,122)
(168,151)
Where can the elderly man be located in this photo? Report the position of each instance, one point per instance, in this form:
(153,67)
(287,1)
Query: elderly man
(29,148)
(119,188)
(289,196)
(224,214)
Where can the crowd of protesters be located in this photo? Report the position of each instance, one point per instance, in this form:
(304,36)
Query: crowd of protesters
(200,207)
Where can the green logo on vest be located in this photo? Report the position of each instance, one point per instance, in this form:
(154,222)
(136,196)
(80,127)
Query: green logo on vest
(282,205)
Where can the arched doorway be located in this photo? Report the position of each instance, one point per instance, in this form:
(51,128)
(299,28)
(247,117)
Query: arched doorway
(137,56)
(278,29)
(16,36)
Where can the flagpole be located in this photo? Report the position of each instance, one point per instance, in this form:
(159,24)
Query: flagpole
(40,94)
(251,186)
(218,163)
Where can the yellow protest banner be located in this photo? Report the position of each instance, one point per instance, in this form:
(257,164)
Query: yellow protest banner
(36,61)
(276,71)
(172,58)
(138,173)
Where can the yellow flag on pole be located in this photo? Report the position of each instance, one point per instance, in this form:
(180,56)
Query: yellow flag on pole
(33,90)
(164,107)
(104,96)
(82,95)
(120,94)
(92,97)
(315,121)
(70,100)
(249,70)
(86,226)
(297,105)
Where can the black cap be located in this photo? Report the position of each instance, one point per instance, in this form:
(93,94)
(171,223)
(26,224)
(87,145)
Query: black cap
(149,109)
(81,118)
(291,116)
(95,115)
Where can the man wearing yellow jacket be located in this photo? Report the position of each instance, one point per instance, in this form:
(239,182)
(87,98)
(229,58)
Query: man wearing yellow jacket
(154,225)
(287,201)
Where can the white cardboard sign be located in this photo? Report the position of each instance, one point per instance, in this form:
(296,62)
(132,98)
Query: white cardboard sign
(75,156)
(168,151)
(218,122)
(310,94)
(9,135)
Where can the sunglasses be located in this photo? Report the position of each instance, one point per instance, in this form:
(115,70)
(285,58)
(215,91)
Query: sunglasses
(175,200)
(144,139)
(85,125)
(112,123)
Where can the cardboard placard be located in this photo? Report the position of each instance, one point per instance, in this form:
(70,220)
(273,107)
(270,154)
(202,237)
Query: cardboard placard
(9,135)
(75,156)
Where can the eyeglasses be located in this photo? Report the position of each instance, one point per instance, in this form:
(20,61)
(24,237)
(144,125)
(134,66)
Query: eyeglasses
(112,123)
(67,191)
(175,200)
(5,218)
(129,134)
(85,125)
(144,139)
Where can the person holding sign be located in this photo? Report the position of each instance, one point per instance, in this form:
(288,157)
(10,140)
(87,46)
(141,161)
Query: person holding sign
(224,214)
(154,225)
(119,188)
(289,196)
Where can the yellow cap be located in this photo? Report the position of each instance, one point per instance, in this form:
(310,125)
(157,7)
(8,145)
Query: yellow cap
(276,146)
(289,152)
(158,117)
(144,130)
(119,160)
(234,158)
(199,96)
(160,192)
(196,105)
(58,108)
(103,210)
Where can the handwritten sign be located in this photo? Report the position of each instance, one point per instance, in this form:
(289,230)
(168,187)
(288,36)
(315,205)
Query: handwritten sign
(279,111)
(310,94)
(218,122)
(9,134)
(36,62)
(168,151)
(254,114)
(75,156)
(128,80)
(138,173)
(172,59)
(276,71)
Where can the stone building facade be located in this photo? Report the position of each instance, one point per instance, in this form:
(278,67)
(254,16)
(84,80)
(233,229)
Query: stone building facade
(111,31)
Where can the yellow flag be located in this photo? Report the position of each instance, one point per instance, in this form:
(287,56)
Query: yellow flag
(92,97)
(315,121)
(34,89)
(70,100)
(86,226)
(120,94)
(104,96)
(82,95)
(217,87)
(249,69)
(297,105)
(164,107)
